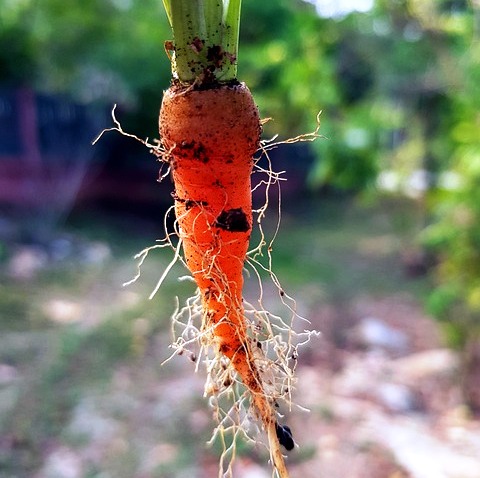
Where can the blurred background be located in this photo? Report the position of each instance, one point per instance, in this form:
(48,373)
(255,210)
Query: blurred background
(379,241)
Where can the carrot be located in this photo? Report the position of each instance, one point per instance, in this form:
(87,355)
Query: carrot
(210,129)
(211,135)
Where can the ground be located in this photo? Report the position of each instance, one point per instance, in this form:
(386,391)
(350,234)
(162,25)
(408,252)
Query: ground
(83,392)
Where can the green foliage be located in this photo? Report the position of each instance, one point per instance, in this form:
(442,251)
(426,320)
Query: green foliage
(455,237)
(455,231)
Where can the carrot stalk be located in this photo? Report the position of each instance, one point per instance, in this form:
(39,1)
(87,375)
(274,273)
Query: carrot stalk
(205,38)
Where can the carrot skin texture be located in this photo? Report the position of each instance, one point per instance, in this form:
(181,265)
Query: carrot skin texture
(211,136)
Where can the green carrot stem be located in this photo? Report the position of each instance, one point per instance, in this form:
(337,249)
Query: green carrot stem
(205,39)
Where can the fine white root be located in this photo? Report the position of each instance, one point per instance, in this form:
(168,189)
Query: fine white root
(274,339)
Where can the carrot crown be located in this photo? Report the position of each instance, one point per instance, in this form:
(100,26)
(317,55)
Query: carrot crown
(205,44)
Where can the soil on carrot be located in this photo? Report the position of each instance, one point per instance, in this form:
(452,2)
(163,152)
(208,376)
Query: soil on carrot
(233,220)
(186,148)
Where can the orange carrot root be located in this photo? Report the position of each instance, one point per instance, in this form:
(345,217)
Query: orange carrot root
(210,136)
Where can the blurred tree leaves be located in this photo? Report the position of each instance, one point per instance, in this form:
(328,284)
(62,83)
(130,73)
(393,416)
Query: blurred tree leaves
(454,202)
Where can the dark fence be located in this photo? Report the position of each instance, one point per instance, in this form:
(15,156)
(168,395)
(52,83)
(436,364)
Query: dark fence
(45,147)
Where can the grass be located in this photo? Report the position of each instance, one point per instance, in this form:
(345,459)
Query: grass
(334,249)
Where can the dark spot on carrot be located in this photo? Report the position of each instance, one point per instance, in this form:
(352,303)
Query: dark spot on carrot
(233,220)
(200,153)
(224,348)
(197,148)
(216,55)
(253,384)
(187,145)
(189,203)
(197,45)
(285,437)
